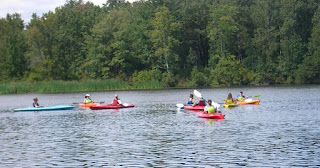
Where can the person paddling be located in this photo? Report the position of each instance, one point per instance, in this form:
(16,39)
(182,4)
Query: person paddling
(116,100)
(241,97)
(229,99)
(191,100)
(35,103)
(87,99)
(209,107)
(201,102)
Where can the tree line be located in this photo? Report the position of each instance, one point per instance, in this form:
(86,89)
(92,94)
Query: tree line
(174,42)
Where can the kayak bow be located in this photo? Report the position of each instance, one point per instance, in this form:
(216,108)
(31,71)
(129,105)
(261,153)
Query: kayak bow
(210,115)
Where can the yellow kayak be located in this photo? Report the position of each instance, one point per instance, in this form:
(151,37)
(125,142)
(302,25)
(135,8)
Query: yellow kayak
(230,105)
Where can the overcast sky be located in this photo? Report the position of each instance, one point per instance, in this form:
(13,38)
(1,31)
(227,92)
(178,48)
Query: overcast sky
(27,7)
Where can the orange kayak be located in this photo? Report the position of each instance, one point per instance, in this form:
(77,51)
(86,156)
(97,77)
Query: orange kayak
(249,102)
(88,104)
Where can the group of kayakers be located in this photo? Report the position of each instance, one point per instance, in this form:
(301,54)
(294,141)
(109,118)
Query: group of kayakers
(115,101)
(87,100)
(210,107)
(230,100)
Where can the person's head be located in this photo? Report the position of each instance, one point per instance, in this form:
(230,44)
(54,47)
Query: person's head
(115,95)
(229,96)
(35,99)
(241,93)
(87,95)
(191,95)
(209,102)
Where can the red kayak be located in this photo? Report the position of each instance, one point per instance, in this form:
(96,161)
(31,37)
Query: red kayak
(211,115)
(110,106)
(195,108)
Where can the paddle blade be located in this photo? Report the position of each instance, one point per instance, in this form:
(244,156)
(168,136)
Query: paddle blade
(179,105)
(198,94)
(258,95)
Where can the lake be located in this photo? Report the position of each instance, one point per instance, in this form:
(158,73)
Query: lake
(283,131)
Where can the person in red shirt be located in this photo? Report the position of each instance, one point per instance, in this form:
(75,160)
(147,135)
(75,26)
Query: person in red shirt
(116,100)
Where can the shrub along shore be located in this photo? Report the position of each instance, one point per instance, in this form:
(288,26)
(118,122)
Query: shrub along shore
(73,86)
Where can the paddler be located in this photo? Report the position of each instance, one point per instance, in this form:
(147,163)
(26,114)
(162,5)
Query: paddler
(230,100)
(191,100)
(35,103)
(201,102)
(241,97)
(209,107)
(116,100)
(87,99)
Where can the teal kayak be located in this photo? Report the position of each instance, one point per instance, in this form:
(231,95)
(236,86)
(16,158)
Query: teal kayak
(48,108)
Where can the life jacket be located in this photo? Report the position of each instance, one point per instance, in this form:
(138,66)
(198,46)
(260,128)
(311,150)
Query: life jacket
(201,103)
(88,100)
(229,101)
(211,109)
(115,102)
(34,104)
(240,98)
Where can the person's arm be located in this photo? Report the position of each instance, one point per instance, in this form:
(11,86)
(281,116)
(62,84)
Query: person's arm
(205,109)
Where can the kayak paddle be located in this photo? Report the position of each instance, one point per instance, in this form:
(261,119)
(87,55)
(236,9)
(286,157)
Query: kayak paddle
(88,103)
(198,94)
(179,105)
(258,95)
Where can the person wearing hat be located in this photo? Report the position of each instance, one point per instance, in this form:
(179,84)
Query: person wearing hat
(87,99)
(241,97)
(35,103)
(116,100)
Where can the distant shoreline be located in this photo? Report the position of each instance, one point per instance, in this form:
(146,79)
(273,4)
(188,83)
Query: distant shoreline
(94,86)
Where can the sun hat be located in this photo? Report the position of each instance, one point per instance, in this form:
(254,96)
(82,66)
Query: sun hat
(88,95)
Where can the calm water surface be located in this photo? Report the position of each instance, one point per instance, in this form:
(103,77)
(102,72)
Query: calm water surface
(283,131)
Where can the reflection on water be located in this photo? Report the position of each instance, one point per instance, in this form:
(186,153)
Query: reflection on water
(282,131)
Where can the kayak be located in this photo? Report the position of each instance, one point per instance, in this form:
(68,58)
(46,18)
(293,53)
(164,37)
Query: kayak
(110,106)
(230,105)
(249,101)
(195,108)
(211,115)
(88,104)
(48,108)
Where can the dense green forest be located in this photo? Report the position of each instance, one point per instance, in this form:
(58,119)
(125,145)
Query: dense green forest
(177,43)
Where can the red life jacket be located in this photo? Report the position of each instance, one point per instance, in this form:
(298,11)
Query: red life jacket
(201,103)
(115,102)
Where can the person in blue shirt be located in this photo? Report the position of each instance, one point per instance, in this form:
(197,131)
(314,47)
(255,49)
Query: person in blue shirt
(191,100)
(241,97)
(35,103)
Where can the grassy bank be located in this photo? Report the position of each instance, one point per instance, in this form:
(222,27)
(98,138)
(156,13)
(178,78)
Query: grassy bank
(71,86)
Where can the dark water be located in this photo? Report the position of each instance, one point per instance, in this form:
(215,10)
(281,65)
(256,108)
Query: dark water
(283,131)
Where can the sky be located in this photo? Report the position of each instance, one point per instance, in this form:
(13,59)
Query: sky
(27,7)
